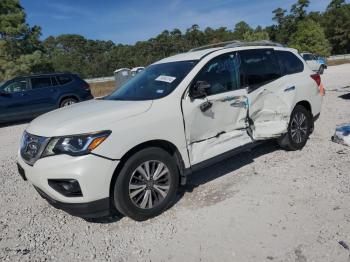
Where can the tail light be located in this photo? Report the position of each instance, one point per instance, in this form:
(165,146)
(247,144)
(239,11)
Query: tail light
(86,86)
(317,79)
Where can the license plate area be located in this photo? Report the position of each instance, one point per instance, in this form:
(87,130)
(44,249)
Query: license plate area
(21,172)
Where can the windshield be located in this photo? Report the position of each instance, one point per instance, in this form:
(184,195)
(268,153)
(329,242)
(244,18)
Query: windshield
(154,82)
(308,57)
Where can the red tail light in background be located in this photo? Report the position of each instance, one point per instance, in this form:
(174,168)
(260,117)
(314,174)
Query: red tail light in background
(86,86)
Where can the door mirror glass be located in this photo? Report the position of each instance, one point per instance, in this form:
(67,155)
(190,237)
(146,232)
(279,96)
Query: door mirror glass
(200,89)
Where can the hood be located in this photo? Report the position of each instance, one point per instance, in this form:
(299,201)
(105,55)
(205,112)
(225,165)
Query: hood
(86,117)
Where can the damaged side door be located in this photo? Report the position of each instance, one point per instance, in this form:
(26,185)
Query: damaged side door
(269,94)
(215,109)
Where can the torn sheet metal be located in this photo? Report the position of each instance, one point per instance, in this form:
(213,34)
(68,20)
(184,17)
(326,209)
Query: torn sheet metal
(214,146)
(342,135)
(270,114)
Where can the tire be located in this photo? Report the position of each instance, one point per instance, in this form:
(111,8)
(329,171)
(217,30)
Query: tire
(321,70)
(299,129)
(139,195)
(68,101)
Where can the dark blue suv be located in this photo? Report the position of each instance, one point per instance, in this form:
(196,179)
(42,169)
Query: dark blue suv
(29,96)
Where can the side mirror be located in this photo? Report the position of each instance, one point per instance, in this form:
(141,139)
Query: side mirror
(200,89)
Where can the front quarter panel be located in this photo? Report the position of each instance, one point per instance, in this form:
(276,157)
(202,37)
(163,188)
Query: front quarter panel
(162,122)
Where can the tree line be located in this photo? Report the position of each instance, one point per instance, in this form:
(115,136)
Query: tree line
(22,51)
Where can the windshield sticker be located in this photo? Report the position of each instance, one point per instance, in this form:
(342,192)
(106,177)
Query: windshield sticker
(167,79)
(160,91)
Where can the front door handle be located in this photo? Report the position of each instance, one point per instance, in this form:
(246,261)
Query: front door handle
(240,102)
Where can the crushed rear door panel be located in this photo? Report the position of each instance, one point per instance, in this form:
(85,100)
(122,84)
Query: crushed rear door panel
(269,109)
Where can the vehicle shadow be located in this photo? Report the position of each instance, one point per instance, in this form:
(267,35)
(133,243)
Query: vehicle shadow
(345,96)
(112,218)
(227,166)
(208,174)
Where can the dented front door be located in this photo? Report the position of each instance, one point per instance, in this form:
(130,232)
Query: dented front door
(216,123)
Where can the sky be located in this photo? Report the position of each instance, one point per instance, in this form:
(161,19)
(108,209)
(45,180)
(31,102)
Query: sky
(130,21)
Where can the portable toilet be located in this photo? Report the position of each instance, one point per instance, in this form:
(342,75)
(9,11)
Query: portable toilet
(121,76)
(136,70)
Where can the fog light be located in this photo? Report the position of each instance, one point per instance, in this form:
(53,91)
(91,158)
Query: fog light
(66,187)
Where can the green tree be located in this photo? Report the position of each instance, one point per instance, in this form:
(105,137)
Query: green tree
(310,37)
(336,22)
(240,29)
(20,49)
(257,34)
(298,10)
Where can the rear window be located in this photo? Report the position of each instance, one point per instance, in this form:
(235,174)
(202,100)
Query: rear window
(64,79)
(259,66)
(308,57)
(41,82)
(289,63)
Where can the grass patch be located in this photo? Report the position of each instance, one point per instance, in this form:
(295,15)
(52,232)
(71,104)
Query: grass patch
(102,88)
(338,62)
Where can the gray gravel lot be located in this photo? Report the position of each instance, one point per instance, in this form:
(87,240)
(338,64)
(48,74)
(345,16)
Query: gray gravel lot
(263,205)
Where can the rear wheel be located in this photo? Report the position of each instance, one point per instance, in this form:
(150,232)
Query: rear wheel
(299,129)
(147,184)
(68,101)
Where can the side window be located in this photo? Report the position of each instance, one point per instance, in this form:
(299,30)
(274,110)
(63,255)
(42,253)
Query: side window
(16,86)
(289,63)
(62,80)
(222,74)
(41,82)
(259,67)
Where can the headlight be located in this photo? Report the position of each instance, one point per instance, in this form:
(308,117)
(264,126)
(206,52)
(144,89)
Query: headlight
(75,145)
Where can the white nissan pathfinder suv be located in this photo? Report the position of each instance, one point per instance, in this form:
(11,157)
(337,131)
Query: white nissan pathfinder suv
(132,149)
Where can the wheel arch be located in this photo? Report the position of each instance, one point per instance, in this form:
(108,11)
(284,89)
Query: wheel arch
(306,105)
(163,144)
(67,96)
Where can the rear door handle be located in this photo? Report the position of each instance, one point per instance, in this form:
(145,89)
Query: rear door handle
(288,89)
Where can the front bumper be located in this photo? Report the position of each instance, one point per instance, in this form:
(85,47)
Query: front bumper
(94,209)
(93,173)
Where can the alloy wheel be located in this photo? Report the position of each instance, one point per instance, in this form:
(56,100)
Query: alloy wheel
(299,128)
(68,102)
(149,184)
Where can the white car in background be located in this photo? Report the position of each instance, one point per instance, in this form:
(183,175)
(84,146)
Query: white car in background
(316,63)
(131,150)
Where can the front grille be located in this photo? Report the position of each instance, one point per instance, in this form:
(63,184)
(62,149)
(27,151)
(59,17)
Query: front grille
(32,147)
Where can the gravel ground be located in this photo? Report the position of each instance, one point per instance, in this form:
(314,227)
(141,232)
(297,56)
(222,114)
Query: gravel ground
(263,205)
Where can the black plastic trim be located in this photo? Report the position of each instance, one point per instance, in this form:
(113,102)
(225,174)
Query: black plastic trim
(56,184)
(94,209)
(316,117)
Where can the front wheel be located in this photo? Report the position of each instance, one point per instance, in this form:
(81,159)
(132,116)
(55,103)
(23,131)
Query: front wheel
(147,184)
(299,129)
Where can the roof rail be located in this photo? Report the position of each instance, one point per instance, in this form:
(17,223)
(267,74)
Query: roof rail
(236,43)
(220,44)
